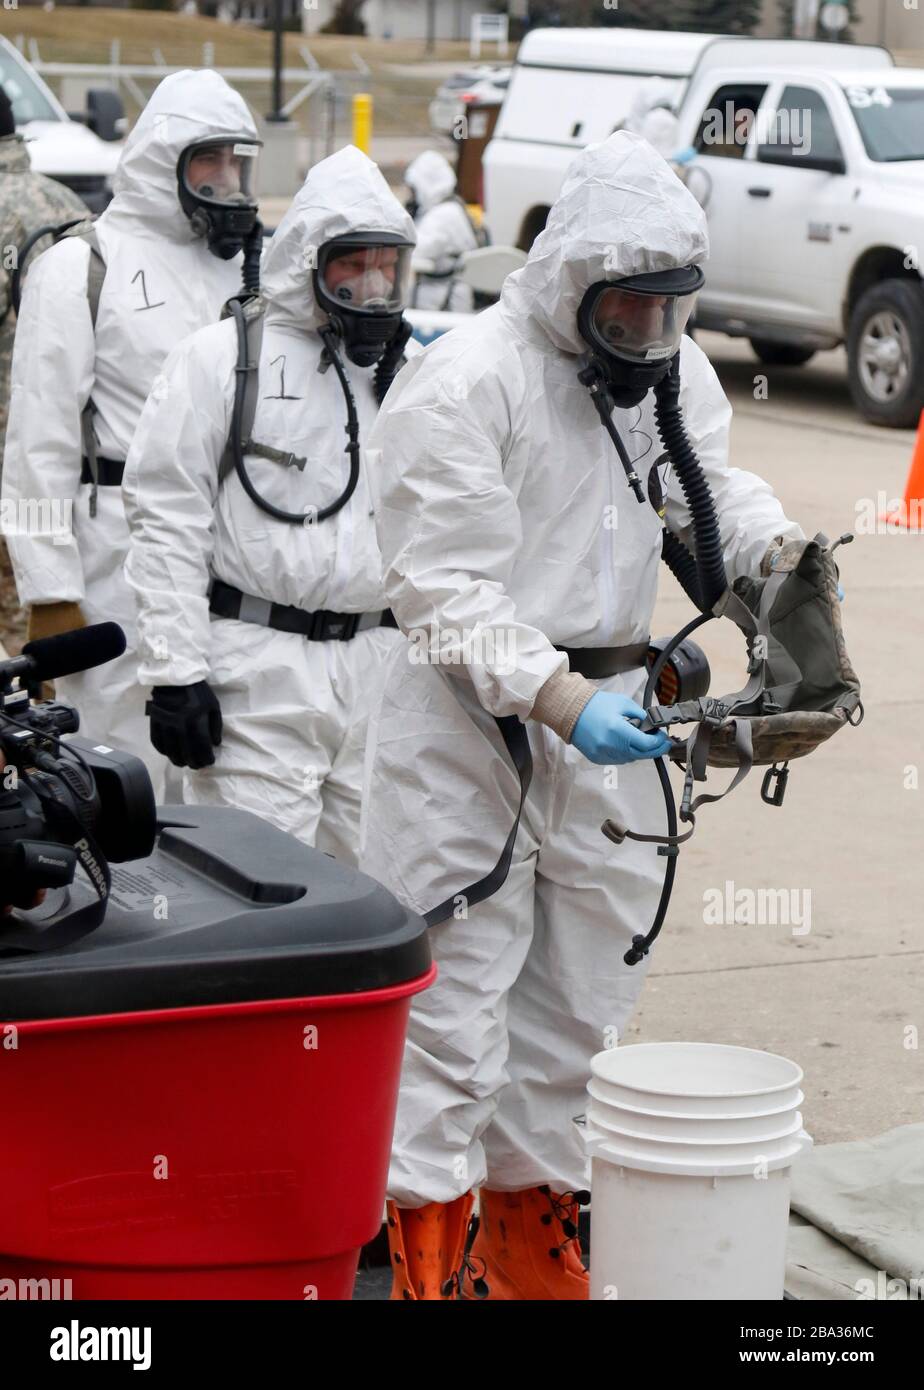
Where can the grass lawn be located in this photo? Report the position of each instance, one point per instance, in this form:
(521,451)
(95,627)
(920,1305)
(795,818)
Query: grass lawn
(79,35)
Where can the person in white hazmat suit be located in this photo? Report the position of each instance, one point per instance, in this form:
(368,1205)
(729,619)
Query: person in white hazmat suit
(651,115)
(444,233)
(159,264)
(516,559)
(260,601)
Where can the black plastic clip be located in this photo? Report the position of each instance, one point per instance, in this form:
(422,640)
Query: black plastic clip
(669,851)
(780,775)
(687,797)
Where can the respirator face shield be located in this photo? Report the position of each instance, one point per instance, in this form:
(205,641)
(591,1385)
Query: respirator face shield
(216,180)
(363,282)
(634,327)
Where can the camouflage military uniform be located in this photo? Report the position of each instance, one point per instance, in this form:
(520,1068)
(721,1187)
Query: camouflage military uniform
(27,201)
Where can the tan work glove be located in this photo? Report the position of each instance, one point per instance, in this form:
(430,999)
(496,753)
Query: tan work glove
(50,619)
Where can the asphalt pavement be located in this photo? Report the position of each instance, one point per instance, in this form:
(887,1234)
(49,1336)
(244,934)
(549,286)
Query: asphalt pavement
(844,998)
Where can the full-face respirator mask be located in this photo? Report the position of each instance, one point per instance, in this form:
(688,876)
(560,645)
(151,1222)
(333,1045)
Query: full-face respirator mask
(215,180)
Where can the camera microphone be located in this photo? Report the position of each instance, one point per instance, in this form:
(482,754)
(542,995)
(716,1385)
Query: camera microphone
(48,658)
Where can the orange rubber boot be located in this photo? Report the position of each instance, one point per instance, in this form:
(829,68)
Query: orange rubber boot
(427,1246)
(527,1245)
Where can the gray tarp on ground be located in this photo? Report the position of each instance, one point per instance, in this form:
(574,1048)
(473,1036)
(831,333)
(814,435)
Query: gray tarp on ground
(869,1196)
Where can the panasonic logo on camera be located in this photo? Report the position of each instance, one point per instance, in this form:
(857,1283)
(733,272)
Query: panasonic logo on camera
(90,864)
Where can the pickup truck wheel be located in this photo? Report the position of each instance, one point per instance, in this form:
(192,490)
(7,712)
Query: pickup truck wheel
(885,354)
(781,354)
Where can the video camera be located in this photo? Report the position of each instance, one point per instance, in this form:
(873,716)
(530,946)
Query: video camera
(64,802)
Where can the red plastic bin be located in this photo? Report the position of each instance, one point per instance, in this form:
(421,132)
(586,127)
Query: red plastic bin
(220,1150)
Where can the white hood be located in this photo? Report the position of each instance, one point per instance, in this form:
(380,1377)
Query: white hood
(650,96)
(431,179)
(621,211)
(186,108)
(344,193)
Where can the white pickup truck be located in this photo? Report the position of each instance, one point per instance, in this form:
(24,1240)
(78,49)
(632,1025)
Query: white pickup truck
(814,189)
(811,169)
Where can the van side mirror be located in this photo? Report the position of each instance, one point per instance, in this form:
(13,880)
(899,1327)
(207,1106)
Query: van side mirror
(105,113)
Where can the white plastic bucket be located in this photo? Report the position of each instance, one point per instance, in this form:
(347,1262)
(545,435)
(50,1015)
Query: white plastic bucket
(691,1147)
(698,1107)
(676,1128)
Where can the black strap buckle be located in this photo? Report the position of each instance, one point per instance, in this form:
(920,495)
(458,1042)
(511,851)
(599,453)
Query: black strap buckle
(333,627)
(770,793)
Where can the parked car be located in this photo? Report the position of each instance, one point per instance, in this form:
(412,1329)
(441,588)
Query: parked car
(482,86)
(82,153)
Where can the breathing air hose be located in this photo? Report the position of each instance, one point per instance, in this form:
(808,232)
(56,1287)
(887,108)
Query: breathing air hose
(391,362)
(704,580)
(329,338)
(708,566)
(253,251)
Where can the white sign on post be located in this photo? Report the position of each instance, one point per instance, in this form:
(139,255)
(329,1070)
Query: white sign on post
(489,28)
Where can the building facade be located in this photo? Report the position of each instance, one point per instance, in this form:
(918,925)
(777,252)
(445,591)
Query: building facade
(401,19)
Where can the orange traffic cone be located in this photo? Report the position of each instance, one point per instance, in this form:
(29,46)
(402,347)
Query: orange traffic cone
(910,512)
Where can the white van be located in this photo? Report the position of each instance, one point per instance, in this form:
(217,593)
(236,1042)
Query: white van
(80,153)
(569,88)
(573,87)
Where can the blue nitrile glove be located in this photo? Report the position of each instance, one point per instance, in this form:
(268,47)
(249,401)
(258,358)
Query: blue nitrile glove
(840,593)
(604,735)
(684,156)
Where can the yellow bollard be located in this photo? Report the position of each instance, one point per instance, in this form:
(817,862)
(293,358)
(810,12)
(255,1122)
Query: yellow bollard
(362,121)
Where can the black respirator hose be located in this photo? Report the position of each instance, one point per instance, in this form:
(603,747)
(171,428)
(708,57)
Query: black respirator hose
(391,361)
(682,566)
(641,945)
(703,579)
(253,251)
(594,378)
(329,339)
(710,568)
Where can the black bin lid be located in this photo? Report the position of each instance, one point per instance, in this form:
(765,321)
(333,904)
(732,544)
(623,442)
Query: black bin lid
(226,909)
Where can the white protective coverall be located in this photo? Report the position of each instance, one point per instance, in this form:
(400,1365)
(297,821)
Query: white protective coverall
(162,283)
(651,115)
(294,710)
(444,234)
(505,520)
